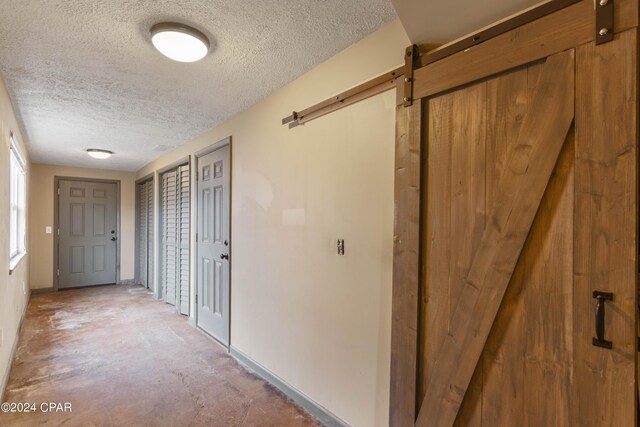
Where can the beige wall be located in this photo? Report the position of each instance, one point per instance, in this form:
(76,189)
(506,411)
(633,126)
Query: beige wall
(42,215)
(14,288)
(318,321)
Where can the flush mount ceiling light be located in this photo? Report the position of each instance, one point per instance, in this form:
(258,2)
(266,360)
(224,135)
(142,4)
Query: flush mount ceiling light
(99,154)
(179,42)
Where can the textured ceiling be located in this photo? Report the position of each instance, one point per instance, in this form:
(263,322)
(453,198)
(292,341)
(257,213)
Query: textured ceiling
(437,21)
(83,74)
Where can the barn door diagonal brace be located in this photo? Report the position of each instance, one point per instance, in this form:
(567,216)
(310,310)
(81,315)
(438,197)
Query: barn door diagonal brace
(411,61)
(604,21)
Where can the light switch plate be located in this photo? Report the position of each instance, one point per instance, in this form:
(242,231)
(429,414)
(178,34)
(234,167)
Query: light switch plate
(48,230)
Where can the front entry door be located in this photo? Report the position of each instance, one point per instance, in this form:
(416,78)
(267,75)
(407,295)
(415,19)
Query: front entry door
(87,243)
(213,243)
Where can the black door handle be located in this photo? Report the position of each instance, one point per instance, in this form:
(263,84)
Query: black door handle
(113,239)
(599,340)
(224,256)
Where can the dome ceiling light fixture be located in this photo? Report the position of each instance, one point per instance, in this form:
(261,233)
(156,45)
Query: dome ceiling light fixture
(179,42)
(97,153)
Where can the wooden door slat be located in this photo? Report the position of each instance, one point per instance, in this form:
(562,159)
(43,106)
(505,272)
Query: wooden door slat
(502,399)
(468,211)
(436,228)
(522,186)
(404,322)
(606,212)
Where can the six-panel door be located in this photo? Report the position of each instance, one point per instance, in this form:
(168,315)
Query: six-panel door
(213,243)
(87,220)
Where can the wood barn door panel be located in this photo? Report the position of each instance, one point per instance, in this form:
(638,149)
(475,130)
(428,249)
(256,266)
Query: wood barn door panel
(456,181)
(490,212)
(605,228)
(406,265)
(503,368)
(528,191)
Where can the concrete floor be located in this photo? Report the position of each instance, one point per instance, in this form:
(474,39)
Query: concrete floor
(122,358)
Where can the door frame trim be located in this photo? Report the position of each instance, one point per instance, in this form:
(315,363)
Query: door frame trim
(136,273)
(208,150)
(56,222)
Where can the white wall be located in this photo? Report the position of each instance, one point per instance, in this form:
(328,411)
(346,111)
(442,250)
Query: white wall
(14,288)
(318,321)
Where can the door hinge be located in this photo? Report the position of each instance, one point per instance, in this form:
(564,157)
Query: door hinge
(58,191)
(196,237)
(196,298)
(58,272)
(411,59)
(197,175)
(604,21)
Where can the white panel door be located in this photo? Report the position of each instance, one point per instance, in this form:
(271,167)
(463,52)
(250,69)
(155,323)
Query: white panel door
(87,242)
(213,243)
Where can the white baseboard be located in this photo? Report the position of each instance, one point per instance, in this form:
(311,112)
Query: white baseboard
(14,348)
(314,408)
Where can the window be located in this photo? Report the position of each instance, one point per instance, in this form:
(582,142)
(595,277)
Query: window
(18,205)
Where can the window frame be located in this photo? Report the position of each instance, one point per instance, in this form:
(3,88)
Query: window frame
(17,204)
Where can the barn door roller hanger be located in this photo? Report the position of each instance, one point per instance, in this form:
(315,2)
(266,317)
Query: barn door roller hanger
(411,62)
(604,21)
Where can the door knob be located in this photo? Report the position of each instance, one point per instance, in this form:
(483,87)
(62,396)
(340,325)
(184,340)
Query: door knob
(224,256)
(113,239)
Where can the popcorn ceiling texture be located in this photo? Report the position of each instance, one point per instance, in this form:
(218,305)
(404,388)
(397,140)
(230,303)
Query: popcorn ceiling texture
(84,74)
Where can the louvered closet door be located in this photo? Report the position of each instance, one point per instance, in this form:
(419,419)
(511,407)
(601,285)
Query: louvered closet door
(183,225)
(175,237)
(149,236)
(169,236)
(142,234)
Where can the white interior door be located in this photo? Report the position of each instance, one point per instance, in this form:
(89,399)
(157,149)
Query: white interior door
(214,178)
(175,237)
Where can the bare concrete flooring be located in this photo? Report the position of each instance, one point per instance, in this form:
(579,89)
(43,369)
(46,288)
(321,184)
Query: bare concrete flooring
(121,358)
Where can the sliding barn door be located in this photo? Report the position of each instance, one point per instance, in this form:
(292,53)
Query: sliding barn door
(144,234)
(175,237)
(524,257)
